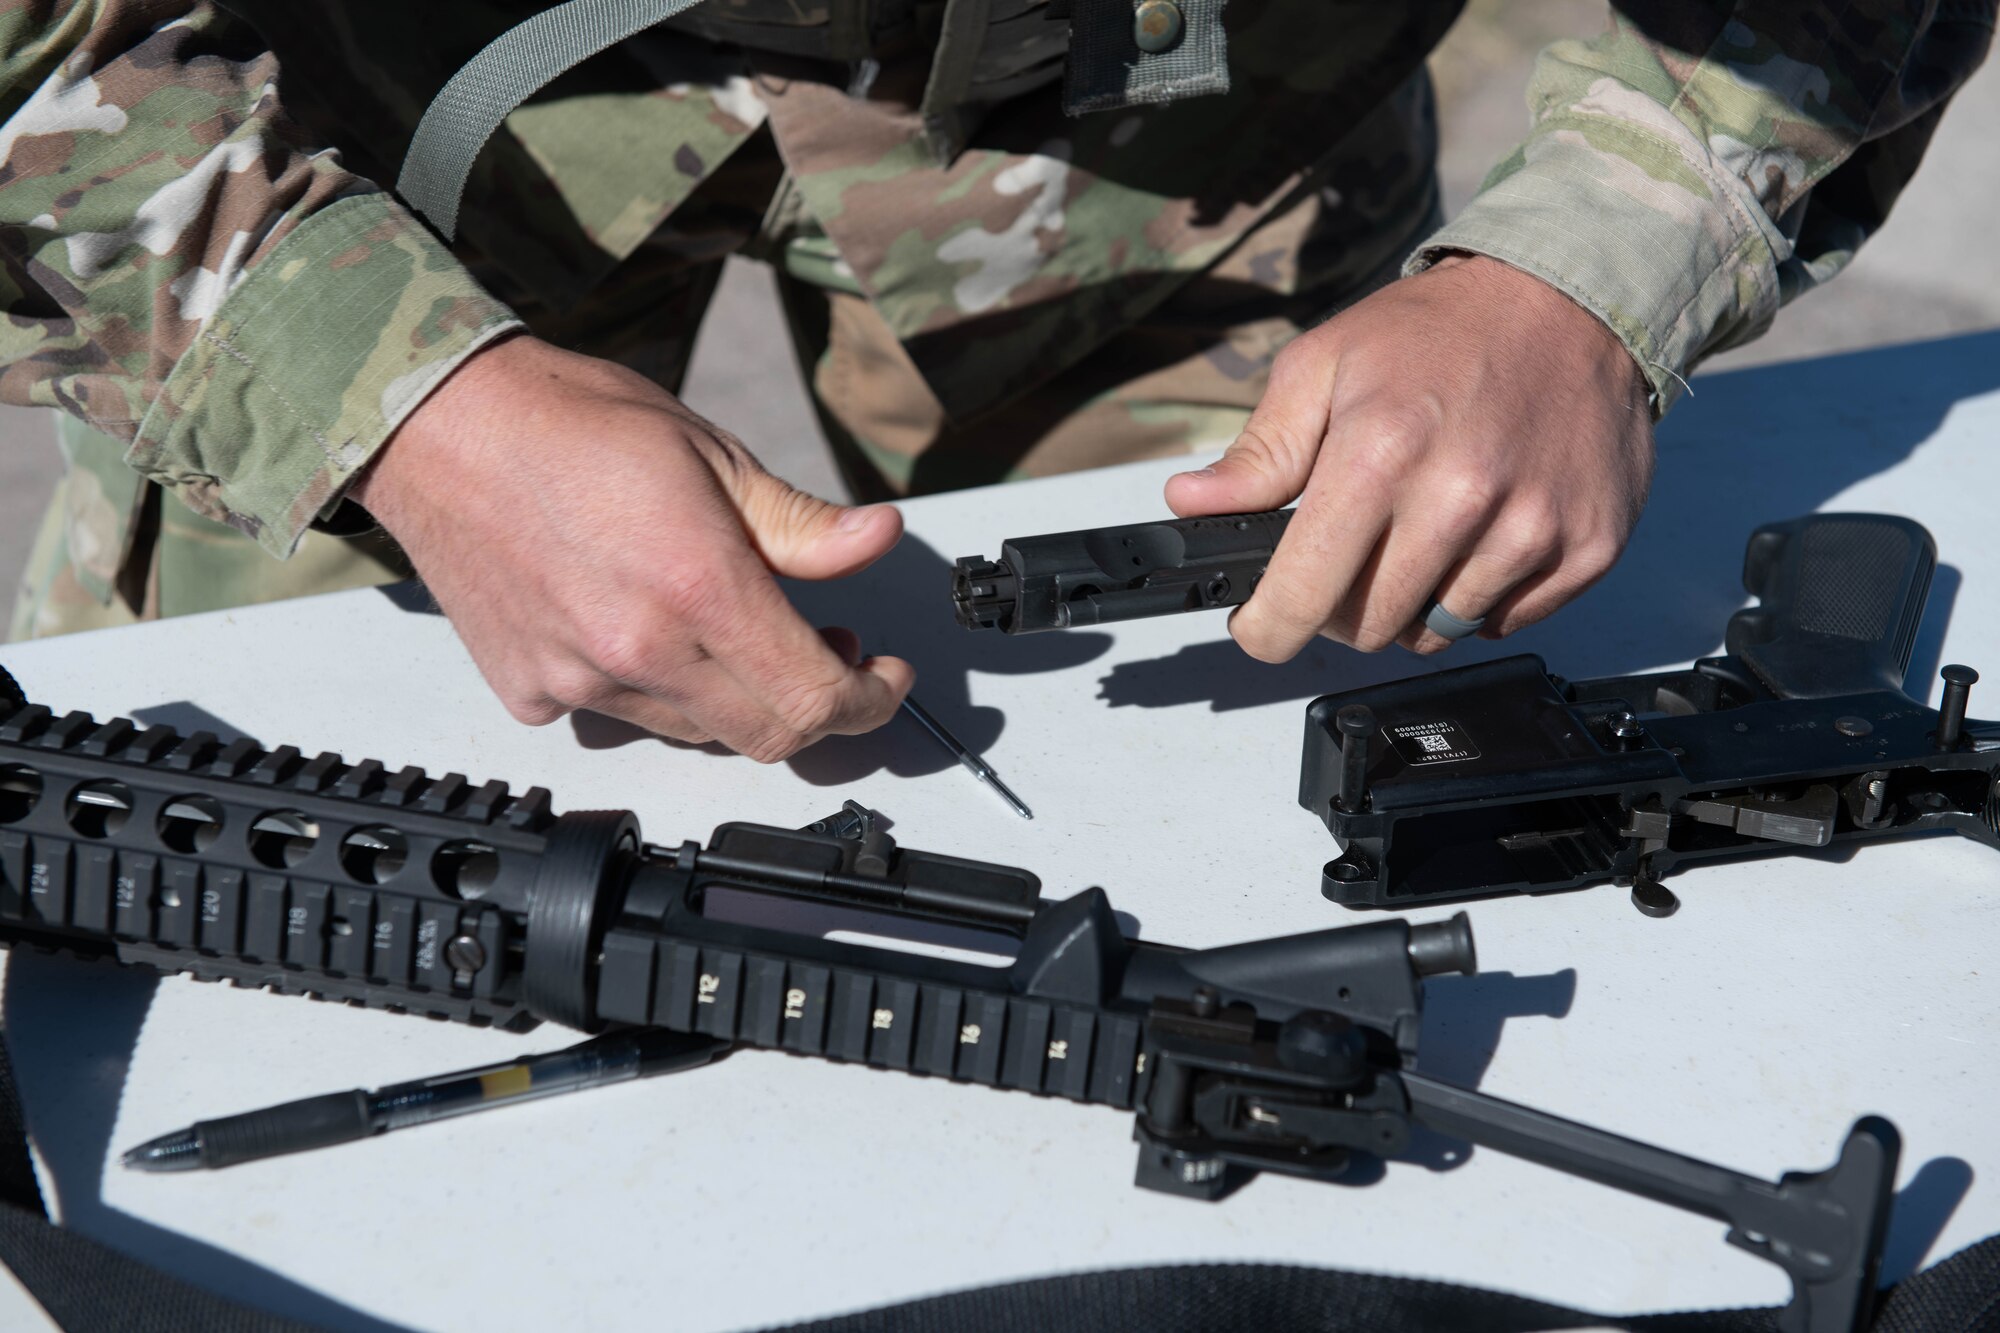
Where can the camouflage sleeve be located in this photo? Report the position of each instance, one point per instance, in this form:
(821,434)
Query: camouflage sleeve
(1704,161)
(182,271)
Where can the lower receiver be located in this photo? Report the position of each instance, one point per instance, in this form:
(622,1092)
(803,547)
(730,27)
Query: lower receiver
(400,890)
(1501,777)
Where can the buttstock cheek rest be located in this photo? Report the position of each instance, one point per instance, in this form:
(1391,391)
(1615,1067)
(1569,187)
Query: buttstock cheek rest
(1840,597)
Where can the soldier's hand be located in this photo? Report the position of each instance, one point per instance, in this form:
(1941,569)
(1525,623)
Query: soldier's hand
(1468,434)
(598,545)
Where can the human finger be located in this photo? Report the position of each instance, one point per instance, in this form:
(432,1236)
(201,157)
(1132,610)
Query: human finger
(1325,547)
(786,665)
(651,714)
(1419,549)
(703,700)
(812,685)
(766,684)
(802,536)
(1581,565)
(1271,459)
(1507,554)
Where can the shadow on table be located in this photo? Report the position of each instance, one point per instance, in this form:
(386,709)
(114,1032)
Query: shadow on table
(1226,678)
(412,596)
(1921,1210)
(1918,1215)
(900,607)
(1463,1020)
(1749,447)
(1464,1017)
(72,1027)
(187,718)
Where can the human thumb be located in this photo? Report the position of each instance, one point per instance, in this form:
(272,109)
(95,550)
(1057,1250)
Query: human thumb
(1267,466)
(801,536)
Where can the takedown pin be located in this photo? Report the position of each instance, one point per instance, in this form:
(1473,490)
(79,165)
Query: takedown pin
(978,767)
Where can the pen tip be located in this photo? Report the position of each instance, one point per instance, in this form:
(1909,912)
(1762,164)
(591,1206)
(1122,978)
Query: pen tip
(169,1152)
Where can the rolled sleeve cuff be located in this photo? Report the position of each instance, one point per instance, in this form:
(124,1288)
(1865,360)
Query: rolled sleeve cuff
(313,361)
(1644,231)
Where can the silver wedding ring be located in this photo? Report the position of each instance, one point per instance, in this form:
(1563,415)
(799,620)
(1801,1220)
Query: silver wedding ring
(1448,626)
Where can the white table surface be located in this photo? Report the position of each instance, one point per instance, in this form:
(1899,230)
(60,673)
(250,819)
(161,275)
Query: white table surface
(1785,998)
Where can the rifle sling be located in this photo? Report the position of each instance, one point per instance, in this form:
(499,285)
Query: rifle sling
(512,68)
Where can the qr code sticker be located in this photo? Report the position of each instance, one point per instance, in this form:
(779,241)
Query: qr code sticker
(1434,741)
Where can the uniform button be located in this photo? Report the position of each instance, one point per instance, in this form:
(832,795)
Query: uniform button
(1156,26)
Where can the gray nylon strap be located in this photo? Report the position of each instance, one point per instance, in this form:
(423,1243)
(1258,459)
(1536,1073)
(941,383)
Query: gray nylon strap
(514,67)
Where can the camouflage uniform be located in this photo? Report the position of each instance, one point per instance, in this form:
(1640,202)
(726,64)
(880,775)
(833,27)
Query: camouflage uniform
(982,287)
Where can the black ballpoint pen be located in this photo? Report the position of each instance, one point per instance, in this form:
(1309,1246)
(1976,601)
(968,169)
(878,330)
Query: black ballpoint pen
(342,1117)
